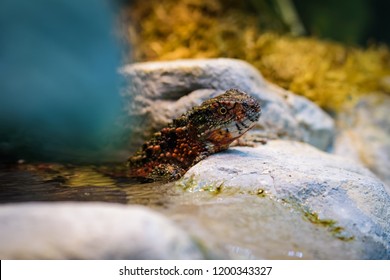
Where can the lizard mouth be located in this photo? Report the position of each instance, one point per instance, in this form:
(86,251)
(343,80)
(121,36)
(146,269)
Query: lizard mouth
(230,131)
(238,128)
(243,122)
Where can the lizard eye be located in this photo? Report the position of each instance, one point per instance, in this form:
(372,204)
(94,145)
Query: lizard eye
(222,110)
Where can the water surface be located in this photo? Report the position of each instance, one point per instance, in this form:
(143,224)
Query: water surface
(65,182)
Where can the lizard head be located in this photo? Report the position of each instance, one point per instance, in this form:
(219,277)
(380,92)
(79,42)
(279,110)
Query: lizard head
(222,119)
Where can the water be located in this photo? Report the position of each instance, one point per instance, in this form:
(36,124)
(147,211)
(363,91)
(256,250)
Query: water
(61,182)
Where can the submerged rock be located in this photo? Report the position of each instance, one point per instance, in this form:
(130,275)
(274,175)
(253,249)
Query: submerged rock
(364,134)
(90,231)
(160,91)
(286,200)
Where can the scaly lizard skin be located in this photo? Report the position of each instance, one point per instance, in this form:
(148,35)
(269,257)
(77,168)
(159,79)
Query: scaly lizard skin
(202,131)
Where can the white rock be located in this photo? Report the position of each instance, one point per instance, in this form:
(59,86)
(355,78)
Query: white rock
(299,183)
(364,134)
(72,230)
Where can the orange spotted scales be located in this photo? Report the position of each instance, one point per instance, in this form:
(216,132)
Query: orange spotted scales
(204,130)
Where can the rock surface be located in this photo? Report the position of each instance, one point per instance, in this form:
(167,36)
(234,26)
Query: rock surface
(90,231)
(160,91)
(286,200)
(364,134)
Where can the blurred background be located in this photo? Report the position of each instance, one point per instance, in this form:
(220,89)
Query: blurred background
(351,21)
(330,52)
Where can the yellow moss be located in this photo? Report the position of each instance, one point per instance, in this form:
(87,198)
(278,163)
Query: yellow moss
(328,73)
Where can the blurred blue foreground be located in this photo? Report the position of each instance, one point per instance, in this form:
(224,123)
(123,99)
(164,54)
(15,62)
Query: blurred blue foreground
(59,85)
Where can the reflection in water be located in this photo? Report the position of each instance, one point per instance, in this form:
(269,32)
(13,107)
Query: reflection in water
(61,182)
